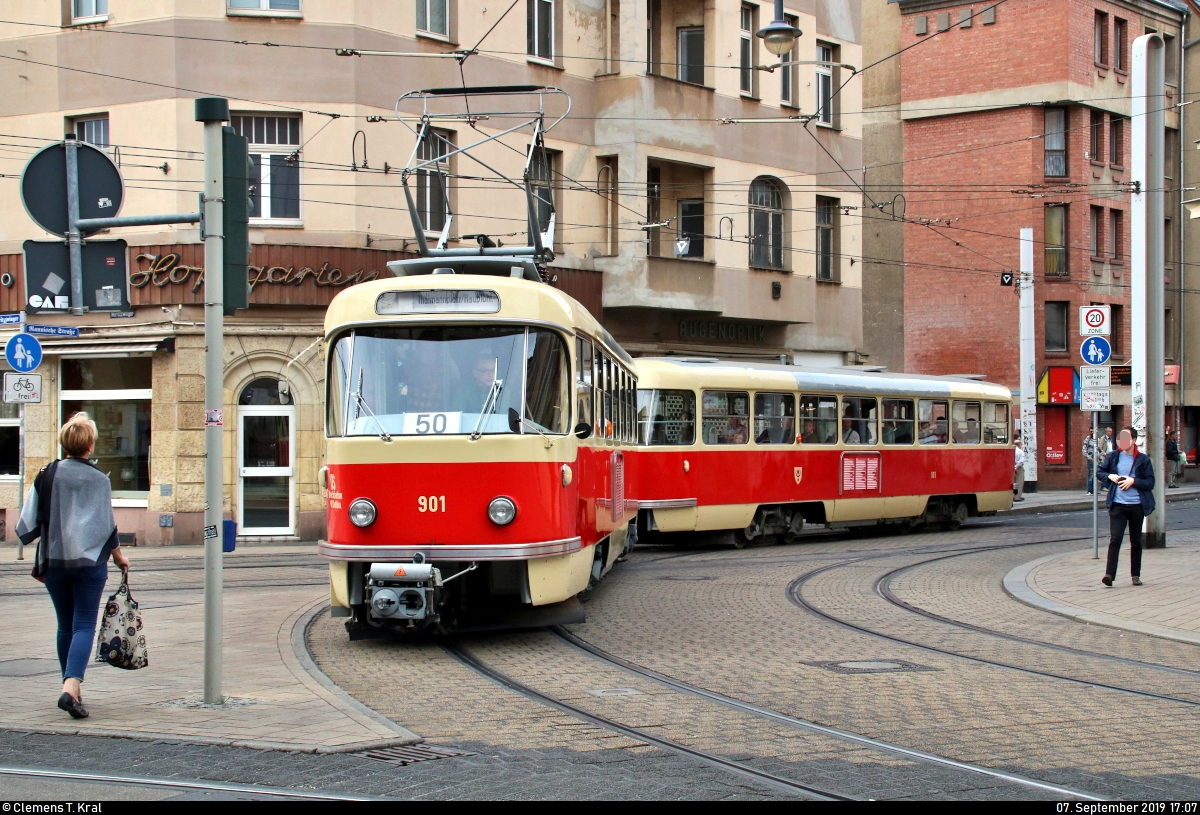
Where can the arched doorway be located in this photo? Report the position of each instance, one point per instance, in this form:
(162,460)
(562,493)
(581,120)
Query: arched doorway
(266,460)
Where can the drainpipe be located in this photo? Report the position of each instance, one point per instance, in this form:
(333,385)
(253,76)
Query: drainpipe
(1182,214)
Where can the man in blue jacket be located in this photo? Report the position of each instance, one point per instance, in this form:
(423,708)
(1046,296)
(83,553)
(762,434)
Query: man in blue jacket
(1130,477)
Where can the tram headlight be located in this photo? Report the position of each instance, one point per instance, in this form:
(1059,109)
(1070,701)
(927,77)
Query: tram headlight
(502,511)
(362,513)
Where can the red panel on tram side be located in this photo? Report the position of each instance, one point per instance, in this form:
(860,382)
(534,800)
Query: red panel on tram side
(774,476)
(544,505)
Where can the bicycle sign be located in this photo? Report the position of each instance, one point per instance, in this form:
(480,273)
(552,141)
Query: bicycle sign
(22,387)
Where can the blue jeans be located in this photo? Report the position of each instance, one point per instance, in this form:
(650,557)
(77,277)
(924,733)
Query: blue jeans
(1091,484)
(76,596)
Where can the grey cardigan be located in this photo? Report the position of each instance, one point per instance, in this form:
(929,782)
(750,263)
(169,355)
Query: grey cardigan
(80,529)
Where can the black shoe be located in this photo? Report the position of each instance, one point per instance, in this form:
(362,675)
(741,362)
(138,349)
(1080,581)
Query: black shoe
(1106,580)
(73,706)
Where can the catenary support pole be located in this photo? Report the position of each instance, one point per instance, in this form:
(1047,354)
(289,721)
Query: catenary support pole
(74,241)
(1028,362)
(1093,487)
(1147,81)
(213,113)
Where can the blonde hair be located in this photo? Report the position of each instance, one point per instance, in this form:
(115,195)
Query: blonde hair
(78,435)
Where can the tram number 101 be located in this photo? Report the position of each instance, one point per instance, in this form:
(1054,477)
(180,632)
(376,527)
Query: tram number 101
(431,503)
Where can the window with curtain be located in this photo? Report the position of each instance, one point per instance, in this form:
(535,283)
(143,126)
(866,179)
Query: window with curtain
(1055,142)
(766,224)
(1055,241)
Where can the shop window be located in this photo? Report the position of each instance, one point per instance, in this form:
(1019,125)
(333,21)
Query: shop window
(93,131)
(766,223)
(818,419)
(433,17)
(898,420)
(10,440)
(774,418)
(116,394)
(726,417)
(275,160)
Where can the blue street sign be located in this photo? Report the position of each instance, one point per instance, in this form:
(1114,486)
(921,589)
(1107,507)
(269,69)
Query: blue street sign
(23,352)
(1095,351)
(10,319)
(51,330)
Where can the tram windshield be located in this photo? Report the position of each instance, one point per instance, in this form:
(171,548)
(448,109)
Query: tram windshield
(447,380)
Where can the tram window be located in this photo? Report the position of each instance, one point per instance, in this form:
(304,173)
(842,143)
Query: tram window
(933,418)
(583,380)
(858,420)
(726,417)
(439,380)
(818,419)
(774,418)
(898,417)
(619,403)
(606,384)
(995,423)
(966,422)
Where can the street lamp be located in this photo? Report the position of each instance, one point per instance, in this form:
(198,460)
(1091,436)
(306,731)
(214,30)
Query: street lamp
(779,37)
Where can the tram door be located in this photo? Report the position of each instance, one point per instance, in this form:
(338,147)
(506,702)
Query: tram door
(266,461)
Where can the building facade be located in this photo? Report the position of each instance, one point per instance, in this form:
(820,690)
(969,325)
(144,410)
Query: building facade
(703,193)
(1017,115)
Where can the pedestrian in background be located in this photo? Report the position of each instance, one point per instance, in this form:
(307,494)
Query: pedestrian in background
(1105,443)
(1018,472)
(70,510)
(1130,477)
(1172,455)
(1089,455)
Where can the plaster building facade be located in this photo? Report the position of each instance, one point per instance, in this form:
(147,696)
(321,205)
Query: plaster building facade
(662,143)
(1016,115)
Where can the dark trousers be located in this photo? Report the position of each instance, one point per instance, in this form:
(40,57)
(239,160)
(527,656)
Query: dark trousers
(1091,481)
(1118,516)
(76,596)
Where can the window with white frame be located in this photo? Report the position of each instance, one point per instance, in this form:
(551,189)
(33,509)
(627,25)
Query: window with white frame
(10,441)
(433,181)
(766,223)
(275,160)
(746,52)
(433,17)
(263,5)
(116,394)
(827,239)
(825,58)
(84,9)
(787,72)
(543,171)
(540,29)
(94,131)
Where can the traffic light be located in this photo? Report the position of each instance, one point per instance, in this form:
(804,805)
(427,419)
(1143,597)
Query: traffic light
(237,174)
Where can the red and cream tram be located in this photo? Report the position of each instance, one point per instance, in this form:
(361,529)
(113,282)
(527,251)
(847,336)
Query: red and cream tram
(478,426)
(760,449)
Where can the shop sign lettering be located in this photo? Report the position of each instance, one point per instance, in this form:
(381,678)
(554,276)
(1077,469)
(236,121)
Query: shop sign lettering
(719,330)
(166,270)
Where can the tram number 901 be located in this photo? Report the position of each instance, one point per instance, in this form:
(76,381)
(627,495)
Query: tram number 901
(431,503)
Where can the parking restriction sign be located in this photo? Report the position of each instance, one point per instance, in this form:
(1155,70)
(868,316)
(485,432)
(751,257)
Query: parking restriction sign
(1095,321)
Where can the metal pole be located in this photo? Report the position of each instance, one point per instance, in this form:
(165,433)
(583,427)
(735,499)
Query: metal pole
(1094,488)
(74,241)
(1028,359)
(214,385)
(1147,79)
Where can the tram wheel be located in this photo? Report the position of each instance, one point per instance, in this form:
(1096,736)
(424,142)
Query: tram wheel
(740,541)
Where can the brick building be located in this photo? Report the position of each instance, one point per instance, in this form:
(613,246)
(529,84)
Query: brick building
(1016,115)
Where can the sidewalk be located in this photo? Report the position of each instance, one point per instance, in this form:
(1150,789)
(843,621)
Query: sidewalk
(1168,605)
(1078,500)
(276,696)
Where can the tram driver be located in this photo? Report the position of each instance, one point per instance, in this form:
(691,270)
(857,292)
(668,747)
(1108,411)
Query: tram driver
(473,390)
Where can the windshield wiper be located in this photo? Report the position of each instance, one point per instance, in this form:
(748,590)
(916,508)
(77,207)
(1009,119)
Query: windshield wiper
(360,402)
(492,397)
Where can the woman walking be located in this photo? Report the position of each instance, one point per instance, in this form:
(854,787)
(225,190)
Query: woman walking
(70,509)
(1130,477)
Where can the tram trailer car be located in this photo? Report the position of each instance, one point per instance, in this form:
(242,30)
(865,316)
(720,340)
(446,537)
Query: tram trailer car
(477,429)
(761,450)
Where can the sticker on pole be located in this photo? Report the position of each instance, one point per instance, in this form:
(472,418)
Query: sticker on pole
(23,352)
(1095,321)
(210,532)
(22,388)
(1095,351)
(1095,400)
(214,418)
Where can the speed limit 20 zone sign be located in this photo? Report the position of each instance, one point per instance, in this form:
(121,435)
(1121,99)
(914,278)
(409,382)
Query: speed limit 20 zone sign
(1095,321)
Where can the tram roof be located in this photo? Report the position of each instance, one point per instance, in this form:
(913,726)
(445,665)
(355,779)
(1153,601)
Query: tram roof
(685,372)
(520,301)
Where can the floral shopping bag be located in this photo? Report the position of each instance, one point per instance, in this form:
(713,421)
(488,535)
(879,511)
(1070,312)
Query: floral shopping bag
(121,642)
